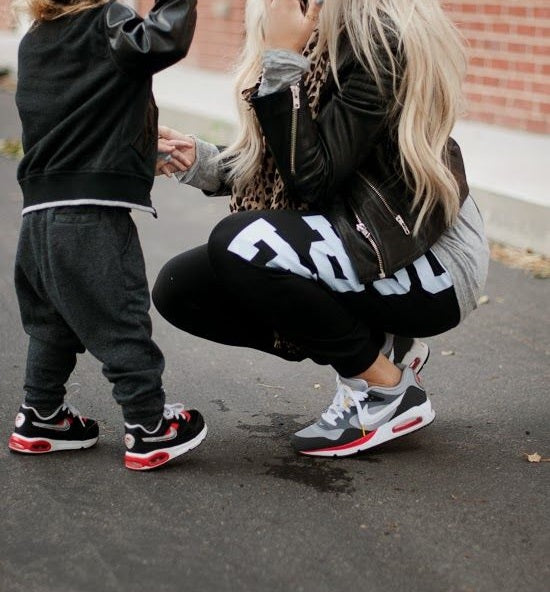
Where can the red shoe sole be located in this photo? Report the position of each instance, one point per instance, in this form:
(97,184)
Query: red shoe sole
(153,460)
(25,445)
(33,446)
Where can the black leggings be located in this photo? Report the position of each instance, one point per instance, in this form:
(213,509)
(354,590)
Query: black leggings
(281,282)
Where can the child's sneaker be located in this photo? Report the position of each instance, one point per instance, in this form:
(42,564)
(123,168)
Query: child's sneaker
(361,417)
(177,432)
(65,429)
(407,351)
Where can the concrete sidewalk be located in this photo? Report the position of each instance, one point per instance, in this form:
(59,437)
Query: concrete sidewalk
(508,171)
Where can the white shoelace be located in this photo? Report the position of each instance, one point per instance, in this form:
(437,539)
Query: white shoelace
(73,411)
(344,399)
(172,410)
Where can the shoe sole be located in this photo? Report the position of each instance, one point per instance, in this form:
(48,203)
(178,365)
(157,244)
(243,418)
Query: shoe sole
(412,420)
(157,458)
(26,445)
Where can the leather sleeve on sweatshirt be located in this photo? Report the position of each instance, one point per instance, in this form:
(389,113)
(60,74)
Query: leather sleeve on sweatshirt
(315,157)
(155,42)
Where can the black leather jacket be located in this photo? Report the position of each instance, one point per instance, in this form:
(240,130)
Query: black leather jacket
(346,165)
(84,95)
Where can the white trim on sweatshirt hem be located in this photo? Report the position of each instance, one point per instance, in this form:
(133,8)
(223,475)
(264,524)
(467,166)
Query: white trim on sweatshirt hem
(89,202)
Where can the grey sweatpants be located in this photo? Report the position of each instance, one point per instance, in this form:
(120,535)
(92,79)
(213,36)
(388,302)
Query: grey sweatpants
(81,284)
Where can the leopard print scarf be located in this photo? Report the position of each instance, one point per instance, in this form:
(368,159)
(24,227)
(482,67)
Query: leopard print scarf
(266,190)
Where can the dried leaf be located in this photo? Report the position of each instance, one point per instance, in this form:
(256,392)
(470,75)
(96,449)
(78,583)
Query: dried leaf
(483,300)
(538,265)
(535,457)
(11,148)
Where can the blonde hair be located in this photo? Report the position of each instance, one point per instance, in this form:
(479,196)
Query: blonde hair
(49,10)
(427,83)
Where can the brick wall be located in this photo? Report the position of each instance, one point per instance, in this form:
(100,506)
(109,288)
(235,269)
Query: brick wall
(219,33)
(509,72)
(509,48)
(6,20)
(508,43)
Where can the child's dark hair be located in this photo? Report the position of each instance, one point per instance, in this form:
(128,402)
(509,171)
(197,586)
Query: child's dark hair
(49,10)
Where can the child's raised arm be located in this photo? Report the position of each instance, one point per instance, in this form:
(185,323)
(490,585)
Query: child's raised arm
(152,43)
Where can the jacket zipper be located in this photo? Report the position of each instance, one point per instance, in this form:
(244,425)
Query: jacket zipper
(295,90)
(361,228)
(396,217)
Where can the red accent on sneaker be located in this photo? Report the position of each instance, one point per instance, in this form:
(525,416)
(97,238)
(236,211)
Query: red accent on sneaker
(415,363)
(408,424)
(357,442)
(34,447)
(139,463)
(173,426)
(187,415)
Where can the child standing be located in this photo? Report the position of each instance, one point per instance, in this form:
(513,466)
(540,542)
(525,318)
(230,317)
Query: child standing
(89,119)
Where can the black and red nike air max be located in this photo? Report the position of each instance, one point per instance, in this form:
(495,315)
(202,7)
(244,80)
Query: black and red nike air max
(177,432)
(64,429)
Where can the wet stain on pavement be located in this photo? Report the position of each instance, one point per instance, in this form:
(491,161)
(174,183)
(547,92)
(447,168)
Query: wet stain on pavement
(322,475)
(280,426)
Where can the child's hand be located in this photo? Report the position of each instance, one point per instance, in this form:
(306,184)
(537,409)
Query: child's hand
(286,27)
(177,152)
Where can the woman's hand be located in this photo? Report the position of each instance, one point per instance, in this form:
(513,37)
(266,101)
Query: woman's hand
(286,26)
(177,152)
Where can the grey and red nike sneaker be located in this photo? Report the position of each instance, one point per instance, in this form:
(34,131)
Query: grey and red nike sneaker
(361,417)
(177,432)
(64,429)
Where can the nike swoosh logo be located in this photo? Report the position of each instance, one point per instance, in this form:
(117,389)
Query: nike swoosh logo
(170,435)
(375,420)
(56,427)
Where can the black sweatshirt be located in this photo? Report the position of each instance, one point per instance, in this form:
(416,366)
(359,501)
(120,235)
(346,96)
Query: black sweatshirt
(84,95)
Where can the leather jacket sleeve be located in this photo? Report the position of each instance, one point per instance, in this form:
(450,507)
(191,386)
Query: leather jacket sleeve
(314,157)
(155,42)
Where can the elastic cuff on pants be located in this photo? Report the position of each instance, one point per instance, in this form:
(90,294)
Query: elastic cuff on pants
(44,405)
(148,421)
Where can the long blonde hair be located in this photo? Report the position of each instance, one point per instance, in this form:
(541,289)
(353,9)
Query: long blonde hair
(49,10)
(427,86)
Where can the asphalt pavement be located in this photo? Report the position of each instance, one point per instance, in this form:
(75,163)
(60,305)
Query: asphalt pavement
(454,507)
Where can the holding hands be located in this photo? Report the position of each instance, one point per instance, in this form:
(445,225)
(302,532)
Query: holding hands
(177,152)
(287,27)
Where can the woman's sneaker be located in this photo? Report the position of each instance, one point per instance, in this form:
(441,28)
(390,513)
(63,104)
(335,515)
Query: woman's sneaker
(361,417)
(407,351)
(65,429)
(177,432)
